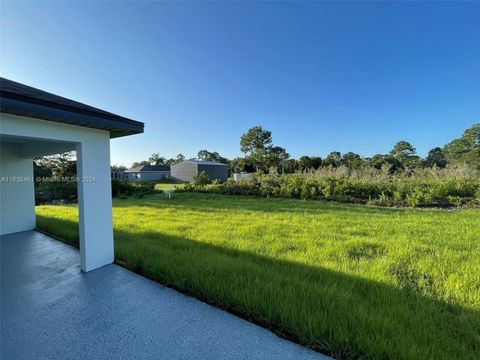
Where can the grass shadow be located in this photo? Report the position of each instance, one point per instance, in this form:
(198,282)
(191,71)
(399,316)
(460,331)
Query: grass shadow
(341,315)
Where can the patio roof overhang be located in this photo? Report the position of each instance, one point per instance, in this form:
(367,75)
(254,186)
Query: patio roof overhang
(36,123)
(19,99)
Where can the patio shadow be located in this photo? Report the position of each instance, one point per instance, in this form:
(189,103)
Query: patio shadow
(335,313)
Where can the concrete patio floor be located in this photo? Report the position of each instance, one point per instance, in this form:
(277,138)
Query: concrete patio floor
(51,310)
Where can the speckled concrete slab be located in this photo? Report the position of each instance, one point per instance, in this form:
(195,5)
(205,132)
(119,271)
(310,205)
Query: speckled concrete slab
(51,310)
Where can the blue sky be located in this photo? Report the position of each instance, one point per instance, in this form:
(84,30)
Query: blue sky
(321,76)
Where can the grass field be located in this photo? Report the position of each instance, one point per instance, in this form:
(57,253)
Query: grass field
(352,281)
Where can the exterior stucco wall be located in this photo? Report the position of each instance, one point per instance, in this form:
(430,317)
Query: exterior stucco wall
(94,187)
(17,196)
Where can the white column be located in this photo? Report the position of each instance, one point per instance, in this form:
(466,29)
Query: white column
(95,202)
(17,195)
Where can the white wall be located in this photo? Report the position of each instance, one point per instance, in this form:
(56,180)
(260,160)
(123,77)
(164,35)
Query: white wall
(17,205)
(95,201)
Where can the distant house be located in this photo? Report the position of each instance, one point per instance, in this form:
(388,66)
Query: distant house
(187,169)
(147,173)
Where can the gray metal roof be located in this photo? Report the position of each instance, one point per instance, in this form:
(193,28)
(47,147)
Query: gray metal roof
(143,168)
(20,99)
(205,162)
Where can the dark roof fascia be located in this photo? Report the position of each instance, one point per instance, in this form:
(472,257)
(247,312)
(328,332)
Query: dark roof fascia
(153,171)
(21,105)
(149,168)
(146,171)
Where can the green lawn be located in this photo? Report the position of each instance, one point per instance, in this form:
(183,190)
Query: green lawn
(352,281)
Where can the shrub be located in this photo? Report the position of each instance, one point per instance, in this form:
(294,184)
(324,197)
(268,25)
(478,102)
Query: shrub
(477,194)
(46,192)
(121,188)
(437,187)
(201,179)
(187,187)
(455,200)
(137,189)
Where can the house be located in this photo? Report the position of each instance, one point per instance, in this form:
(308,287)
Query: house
(147,173)
(186,170)
(35,123)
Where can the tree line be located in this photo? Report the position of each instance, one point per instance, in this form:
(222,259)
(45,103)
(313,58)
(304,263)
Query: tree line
(261,155)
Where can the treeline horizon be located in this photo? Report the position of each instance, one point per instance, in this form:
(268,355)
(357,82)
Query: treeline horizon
(261,155)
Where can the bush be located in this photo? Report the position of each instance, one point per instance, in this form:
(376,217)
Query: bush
(46,192)
(201,179)
(137,189)
(435,188)
(121,188)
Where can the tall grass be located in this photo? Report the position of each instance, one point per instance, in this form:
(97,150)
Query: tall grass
(348,280)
